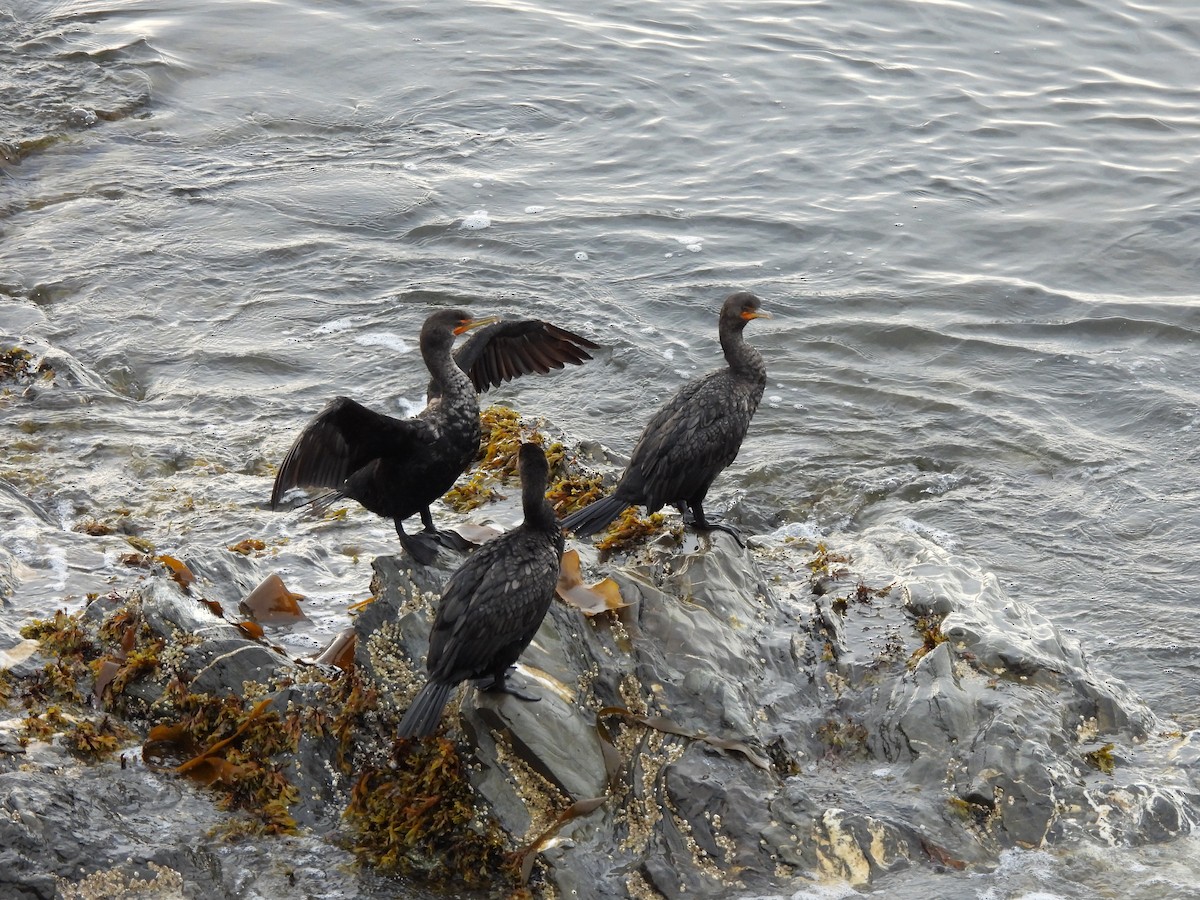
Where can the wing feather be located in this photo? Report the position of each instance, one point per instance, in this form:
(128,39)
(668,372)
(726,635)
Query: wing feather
(340,440)
(508,350)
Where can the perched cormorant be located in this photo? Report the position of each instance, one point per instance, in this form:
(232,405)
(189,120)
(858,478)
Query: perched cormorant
(398,467)
(493,604)
(695,435)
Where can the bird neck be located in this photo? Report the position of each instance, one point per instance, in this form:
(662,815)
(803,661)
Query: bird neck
(539,513)
(743,359)
(445,371)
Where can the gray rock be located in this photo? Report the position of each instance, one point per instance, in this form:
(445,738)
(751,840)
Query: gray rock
(983,733)
(763,724)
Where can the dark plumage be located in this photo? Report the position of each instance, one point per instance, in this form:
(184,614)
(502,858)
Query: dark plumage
(398,467)
(493,605)
(694,436)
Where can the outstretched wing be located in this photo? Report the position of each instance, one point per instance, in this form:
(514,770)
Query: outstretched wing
(506,350)
(344,437)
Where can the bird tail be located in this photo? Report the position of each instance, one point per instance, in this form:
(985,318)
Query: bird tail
(423,715)
(595,515)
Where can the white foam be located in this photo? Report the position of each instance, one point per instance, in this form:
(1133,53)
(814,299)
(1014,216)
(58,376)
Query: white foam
(835,891)
(384,339)
(534,210)
(806,530)
(343,324)
(937,535)
(476,220)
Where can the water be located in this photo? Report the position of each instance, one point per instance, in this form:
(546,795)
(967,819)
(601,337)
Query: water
(975,227)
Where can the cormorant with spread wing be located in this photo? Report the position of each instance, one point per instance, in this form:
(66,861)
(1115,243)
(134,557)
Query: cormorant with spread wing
(398,467)
(493,605)
(694,436)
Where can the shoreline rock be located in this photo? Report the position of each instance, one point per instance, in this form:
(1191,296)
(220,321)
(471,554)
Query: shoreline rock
(752,721)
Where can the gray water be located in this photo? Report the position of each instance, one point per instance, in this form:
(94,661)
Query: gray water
(976,227)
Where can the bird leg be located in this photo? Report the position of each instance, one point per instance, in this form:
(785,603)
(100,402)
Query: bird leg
(498,684)
(700,523)
(451,539)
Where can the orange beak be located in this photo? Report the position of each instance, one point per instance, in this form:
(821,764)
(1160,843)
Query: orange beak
(468,324)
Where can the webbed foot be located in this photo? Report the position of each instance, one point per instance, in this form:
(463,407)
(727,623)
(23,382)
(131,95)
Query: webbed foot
(422,547)
(500,685)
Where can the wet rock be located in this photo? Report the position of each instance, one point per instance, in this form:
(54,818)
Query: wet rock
(134,824)
(9,579)
(752,719)
(979,709)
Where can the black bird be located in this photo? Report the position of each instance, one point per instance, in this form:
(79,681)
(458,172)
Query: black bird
(398,467)
(694,436)
(493,605)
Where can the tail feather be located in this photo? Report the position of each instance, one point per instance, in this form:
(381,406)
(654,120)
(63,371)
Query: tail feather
(595,515)
(423,715)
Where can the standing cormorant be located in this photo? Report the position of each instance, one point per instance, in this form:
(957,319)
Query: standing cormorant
(493,604)
(695,435)
(398,467)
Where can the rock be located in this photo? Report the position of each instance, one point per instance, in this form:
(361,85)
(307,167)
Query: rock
(981,710)
(752,719)
(132,824)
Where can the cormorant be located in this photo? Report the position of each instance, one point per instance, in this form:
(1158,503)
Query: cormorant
(398,467)
(695,435)
(493,604)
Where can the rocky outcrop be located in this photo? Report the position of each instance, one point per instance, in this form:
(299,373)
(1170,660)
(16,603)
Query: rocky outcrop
(750,720)
(786,717)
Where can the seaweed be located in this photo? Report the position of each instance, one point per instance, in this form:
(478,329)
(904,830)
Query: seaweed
(42,726)
(572,491)
(20,366)
(826,566)
(236,754)
(138,663)
(247,546)
(95,740)
(94,527)
(977,808)
(501,433)
(471,494)
(844,738)
(419,815)
(241,750)
(140,544)
(628,529)
(60,680)
(1102,758)
(62,636)
(929,627)
(357,699)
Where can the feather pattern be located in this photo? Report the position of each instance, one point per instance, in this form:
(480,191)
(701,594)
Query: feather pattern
(694,436)
(494,603)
